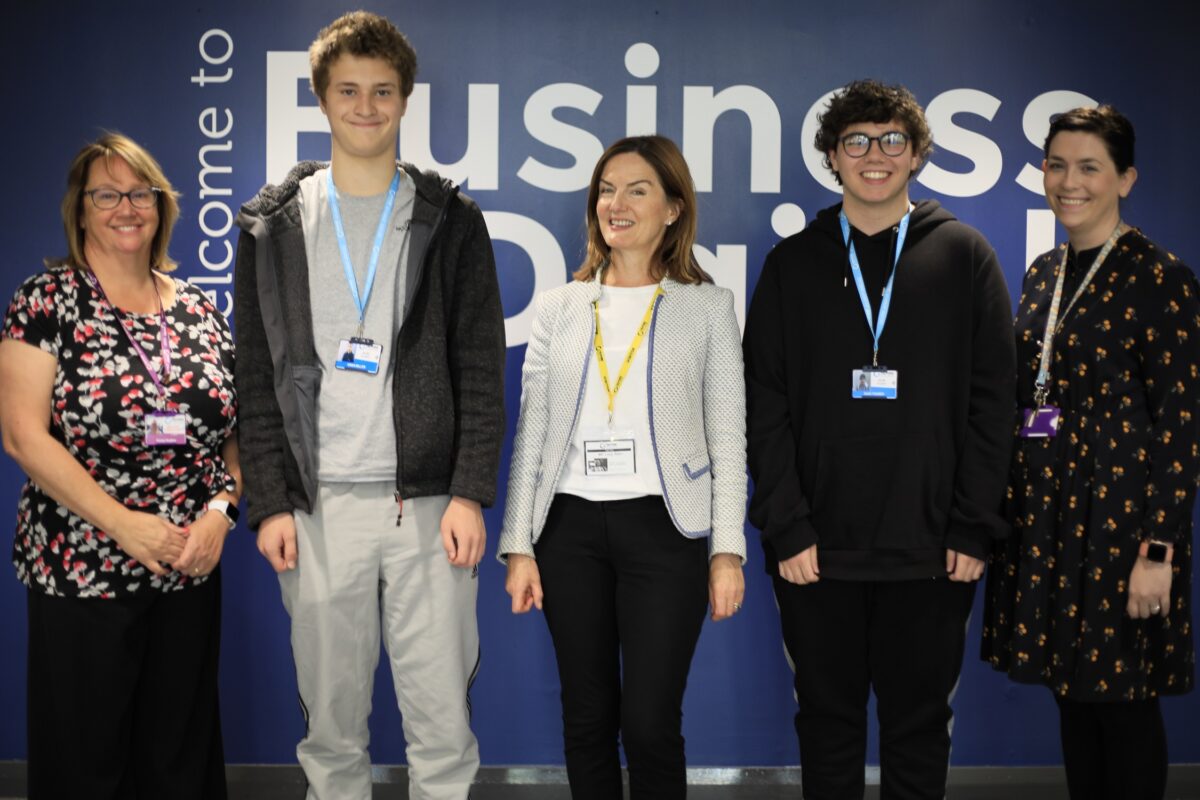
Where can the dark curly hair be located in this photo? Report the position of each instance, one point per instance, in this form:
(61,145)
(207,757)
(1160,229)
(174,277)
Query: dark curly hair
(363,34)
(872,101)
(1113,128)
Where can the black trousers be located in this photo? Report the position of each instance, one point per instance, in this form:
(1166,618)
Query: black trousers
(904,639)
(122,699)
(1114,751)
(625,599)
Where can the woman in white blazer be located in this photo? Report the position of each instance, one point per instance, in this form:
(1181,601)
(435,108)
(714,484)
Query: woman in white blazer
(627,489)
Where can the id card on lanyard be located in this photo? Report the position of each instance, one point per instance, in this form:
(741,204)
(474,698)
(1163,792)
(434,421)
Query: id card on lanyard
(358,353)
(1043,419)
(607,451)
(161,426)
(874,381)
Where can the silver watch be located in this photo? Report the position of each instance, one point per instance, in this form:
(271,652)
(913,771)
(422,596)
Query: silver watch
(226,509)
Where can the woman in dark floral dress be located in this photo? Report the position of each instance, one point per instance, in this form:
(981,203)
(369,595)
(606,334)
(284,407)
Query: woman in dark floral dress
(117,400)
(1090,595)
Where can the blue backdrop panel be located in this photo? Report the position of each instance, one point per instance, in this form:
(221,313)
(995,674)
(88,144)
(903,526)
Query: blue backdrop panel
(516,101)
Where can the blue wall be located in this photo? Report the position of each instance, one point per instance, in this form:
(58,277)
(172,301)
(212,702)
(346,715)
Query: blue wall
(984,70)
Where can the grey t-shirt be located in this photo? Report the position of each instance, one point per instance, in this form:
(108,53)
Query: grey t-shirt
(356,438)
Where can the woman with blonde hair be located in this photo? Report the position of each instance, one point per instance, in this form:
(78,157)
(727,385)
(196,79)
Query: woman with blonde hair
(117,400)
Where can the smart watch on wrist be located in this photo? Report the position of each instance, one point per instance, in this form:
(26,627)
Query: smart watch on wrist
(1156,551)
(226,509)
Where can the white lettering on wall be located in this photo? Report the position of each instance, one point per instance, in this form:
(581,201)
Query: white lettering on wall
(583,147)
(975,147)
(814,159)
(641,102)
(702,108)
(479,167)
(727,267)
(216,48)
(286,118)
(1035,122)
(549,266)
(1039,233)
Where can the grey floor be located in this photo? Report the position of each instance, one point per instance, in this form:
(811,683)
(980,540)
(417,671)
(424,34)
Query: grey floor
(495,783)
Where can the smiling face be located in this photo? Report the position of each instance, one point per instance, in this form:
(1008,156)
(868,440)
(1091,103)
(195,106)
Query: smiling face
(1083,187)
(124,232)
(364,107)
(874,183)
(632,207)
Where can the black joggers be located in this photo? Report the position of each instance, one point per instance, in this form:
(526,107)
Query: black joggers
(902,638)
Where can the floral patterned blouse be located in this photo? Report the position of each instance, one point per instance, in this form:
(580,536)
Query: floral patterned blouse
(102,392)
(1123,468)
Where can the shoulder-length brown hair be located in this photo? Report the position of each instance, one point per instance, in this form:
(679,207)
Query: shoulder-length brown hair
(143,165)
(674,258)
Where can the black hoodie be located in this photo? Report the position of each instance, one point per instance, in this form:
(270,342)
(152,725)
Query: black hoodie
(883,487)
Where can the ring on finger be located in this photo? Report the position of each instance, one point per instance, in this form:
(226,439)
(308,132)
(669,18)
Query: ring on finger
(1155,609)
(737,606)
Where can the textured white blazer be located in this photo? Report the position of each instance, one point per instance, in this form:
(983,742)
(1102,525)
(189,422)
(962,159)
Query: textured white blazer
(697,396)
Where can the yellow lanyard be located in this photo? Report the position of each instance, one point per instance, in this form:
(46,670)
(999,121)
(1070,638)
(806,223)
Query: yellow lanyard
(611,390)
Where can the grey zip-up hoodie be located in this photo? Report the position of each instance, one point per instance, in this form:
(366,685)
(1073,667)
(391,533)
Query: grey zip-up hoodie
(448,386)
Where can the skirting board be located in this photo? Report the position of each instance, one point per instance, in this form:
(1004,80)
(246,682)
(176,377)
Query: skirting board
(1184,778)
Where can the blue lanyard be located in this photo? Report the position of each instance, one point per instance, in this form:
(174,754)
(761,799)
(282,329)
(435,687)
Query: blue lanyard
(380,233)
(876,327)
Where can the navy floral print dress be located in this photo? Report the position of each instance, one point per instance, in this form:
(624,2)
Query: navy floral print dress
(1122,468)
(101,394)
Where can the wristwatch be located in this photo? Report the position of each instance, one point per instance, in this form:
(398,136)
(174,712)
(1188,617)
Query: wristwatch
(1156,551)
(226,509)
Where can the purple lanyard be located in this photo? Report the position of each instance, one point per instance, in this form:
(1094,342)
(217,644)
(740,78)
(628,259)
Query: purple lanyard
(164,338)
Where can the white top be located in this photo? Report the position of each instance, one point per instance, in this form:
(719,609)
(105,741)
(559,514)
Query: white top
(621,311)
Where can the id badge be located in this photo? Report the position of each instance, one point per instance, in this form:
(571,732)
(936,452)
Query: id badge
(359,355)
(165,428)
(1040,423)
(609,453)
(874,383)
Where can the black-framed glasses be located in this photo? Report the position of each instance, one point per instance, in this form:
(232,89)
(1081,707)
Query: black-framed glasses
(892,143)
(107,199)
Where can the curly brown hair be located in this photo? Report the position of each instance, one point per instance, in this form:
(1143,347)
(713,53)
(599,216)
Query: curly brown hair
(872,101)
(361,33)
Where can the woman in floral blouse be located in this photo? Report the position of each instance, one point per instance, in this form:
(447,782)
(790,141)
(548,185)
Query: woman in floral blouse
(1090,595)
(117,400)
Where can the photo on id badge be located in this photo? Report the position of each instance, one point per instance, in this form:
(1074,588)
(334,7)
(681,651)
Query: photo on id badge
(609,453)
(359,355)
(874,383)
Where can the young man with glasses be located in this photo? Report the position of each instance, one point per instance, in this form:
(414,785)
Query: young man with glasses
(879,370)
(370,366)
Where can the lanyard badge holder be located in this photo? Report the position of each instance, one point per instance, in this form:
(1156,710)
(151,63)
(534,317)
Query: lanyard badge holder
(1043,419)
(874,381)
(606,451)
(358,353)
(161,427)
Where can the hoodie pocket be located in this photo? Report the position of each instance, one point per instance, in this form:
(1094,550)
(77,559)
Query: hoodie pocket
(879,493)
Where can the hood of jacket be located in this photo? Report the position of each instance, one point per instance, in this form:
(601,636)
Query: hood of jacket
(430,187)
(926,216)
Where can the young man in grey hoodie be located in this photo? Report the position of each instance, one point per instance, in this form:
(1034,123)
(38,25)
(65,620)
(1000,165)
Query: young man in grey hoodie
(370,378)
